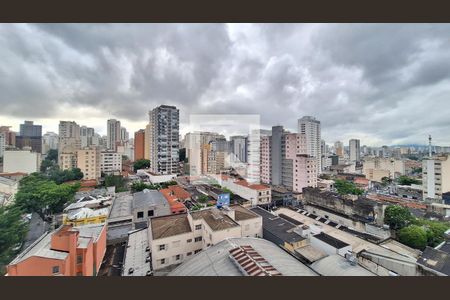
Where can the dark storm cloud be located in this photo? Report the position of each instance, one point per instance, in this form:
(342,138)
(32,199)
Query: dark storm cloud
(361,80)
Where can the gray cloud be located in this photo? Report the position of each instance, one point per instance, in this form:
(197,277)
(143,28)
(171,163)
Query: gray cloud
(383,83)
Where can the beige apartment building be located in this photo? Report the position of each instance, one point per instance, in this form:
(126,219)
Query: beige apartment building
(175,238)
(435,177)
(88,161)
(376,168)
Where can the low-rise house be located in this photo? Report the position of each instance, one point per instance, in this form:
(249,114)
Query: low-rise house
(84,216)
(176,196)
(176,238)
(257,194)
(68,251)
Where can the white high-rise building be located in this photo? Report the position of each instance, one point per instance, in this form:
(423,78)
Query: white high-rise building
(354,150)
(124,136)
(111,163)
(310,127)
(49,142)
(436,176)
(114,134)
(86,135)
(164,144)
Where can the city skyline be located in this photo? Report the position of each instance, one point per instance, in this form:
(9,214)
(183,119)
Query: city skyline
(382,84)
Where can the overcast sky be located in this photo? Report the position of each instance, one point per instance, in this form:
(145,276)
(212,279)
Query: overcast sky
(384,83)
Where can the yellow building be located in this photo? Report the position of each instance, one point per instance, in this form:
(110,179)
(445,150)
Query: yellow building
(88,161)
(85,216)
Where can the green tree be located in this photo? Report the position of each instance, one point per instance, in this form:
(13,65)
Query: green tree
(397,216)
(140,186)
(117,181)
(43,196)
(203,198)
(344,187)
(46,165)
(435,230)
(386,180)
(52,155)
(12,233)
(413,236)
(141,164)
(405,180)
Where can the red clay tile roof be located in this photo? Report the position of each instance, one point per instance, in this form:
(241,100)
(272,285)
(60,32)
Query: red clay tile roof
(174,202)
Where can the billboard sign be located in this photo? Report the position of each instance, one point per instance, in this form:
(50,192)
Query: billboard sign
(223,200)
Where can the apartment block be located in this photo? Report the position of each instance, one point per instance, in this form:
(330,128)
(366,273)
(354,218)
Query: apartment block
(163,137)
(110,163)
(436,176)
(88,161)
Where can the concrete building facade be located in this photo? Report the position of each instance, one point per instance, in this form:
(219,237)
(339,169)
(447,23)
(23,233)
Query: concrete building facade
(25,161)
(88,161)
(164,139)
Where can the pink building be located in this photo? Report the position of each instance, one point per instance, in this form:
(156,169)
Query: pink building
(68,251)
(265,160)
(305,172)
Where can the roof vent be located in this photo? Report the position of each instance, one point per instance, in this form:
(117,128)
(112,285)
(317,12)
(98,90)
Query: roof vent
(251,263)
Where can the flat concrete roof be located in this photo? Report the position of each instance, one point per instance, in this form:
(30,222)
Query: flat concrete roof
(279,227)
(336,265)
(241,213)
(358,244)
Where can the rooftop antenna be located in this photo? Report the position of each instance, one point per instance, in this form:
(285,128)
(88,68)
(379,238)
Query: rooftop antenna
(429,145)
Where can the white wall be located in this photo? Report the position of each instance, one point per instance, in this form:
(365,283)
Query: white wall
(21,161)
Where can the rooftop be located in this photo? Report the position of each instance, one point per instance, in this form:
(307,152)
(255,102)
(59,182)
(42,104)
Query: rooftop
(136,254)
(84,212)
(241,213)
(121,206)
(216,219)
(435,259)
(148,198)
(252,186)
(277,226)
(332,241)
(310,253)
(167,226)
(216,261)
(336,265)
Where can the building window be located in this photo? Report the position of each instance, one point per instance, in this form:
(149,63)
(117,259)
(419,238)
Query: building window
(79,259)
(162,261)
(198,239)
(140,214)
(189,240)
(189,254)
(198,227)
(162,247)
(177,257)
(197,251)
(150,213)
(55,270)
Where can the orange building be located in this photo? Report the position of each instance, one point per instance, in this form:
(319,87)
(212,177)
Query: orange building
(139,144)
(176,195)
(68,251)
